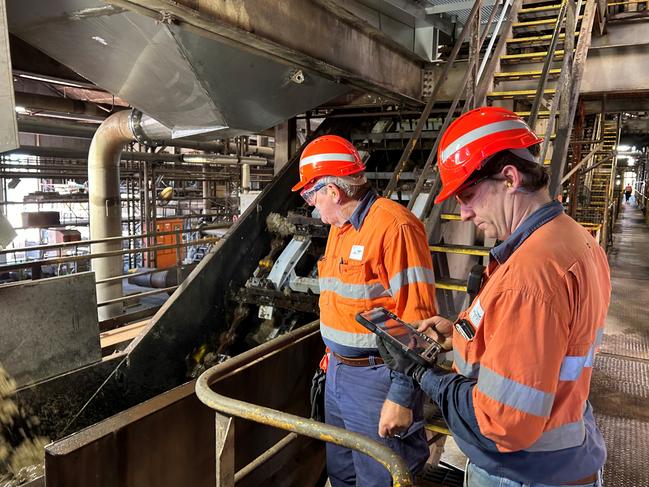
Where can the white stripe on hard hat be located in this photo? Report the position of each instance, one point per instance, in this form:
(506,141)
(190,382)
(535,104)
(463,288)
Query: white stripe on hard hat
(326,157)
(492,128)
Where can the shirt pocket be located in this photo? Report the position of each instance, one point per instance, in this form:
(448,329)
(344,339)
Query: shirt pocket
(352,286)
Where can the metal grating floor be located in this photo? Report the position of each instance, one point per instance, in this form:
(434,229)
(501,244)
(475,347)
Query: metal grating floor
(620,385)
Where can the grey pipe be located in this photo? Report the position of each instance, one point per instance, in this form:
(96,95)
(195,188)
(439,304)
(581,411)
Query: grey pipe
(140,156)
(148,129)
(105,205)
(59,104)
(41,125)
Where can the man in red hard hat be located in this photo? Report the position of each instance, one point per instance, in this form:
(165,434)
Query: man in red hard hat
(517,401)
(376,255)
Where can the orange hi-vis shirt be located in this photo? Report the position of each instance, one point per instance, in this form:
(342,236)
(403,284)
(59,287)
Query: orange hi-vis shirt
(384,262)
(538,319)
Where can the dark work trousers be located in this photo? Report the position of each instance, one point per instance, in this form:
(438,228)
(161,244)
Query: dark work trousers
(354,397)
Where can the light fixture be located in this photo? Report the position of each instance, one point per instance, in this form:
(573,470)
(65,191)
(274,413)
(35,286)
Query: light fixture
(21,110)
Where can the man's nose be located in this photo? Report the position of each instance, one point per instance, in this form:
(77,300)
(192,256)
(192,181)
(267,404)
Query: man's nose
(466,212)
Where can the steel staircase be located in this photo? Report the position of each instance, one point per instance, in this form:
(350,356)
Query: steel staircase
(523,74)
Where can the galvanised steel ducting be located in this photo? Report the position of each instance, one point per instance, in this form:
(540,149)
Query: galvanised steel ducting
(193,85)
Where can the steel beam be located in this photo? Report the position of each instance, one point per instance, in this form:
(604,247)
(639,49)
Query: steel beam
(311,37)
(454,7)
(8,130)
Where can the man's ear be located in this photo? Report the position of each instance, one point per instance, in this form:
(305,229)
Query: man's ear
(512,176)
(334,192)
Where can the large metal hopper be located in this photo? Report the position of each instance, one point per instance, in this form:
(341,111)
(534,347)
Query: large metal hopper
(190,83)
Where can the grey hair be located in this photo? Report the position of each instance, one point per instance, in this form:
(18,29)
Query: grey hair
(353,186)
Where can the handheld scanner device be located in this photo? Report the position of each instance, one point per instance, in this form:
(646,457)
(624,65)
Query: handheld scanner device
(419,346)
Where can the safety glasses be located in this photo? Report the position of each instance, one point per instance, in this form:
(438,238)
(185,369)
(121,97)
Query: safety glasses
(465,193)
(308,194)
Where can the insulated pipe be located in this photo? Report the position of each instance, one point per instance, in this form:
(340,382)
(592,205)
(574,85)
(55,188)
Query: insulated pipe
(245,177)
(141,156)
(149,131)
(105,206)
(42,125)
(59,104)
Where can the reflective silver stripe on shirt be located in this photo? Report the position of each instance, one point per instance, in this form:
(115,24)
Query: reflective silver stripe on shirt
(514,394)
(326,157)
(353,291)
(565,436)
(466,369)
(483,131)
(573,365)
(359,340)
(411,275)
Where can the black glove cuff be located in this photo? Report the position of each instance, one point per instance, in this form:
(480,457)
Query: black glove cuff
(418,373)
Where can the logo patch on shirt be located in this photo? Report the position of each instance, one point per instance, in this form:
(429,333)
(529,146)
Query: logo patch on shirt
(357,252)
(476,314)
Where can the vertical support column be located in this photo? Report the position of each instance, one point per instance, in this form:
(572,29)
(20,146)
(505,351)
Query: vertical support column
(576,157)
(245,178)
(147,211)
(154,214)
(285,143)
(224,451)
(8,127)
(207,202)
(474,60)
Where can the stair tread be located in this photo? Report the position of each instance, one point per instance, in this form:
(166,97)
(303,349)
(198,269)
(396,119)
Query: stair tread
(450,284)
(461,249)
(518,93)
(523,74)
(534,23)
(531,55)
(539,38)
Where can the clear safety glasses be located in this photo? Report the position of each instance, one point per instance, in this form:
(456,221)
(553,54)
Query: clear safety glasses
(309,193)
(465,193)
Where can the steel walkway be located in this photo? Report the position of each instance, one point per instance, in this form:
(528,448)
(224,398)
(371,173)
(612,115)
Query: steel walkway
(620,386)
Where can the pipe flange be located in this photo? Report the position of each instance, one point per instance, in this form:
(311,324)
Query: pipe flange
(135,124)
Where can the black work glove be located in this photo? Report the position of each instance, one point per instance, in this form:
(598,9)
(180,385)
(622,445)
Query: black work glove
(395,358)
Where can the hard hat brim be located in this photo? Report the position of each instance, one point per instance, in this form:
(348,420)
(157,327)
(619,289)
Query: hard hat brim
(299,186)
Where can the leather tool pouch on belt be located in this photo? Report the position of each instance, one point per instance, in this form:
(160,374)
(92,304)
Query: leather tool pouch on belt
(317,393)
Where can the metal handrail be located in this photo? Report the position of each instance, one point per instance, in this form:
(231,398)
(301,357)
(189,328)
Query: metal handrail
(228,406)
(111,253)
(84,243)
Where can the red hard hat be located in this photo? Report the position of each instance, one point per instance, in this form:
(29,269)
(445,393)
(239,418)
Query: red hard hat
(474,137)
(328,155)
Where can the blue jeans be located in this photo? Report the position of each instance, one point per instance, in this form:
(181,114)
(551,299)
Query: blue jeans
(354,397)
(477,477)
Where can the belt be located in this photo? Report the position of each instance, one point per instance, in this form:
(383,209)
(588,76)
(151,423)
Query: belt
(358,361)
(591,479)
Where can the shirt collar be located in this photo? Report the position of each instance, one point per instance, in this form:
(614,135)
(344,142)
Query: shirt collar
(540,217)
(358,216)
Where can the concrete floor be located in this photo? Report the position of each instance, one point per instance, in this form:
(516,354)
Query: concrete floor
(620,386)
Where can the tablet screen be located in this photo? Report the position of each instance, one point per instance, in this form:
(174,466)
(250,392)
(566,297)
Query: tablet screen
(399,330)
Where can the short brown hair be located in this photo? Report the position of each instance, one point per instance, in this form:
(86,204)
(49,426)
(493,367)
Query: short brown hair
(535,175)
